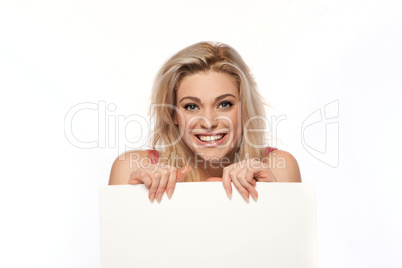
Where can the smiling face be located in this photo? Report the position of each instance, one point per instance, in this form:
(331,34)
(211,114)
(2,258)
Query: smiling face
(209,114)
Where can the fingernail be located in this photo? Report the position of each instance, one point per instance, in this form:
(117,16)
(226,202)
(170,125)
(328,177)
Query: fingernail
(228,192)
(169,193)
(245,197)
(159,197)
(184,170)
(255,197)
(152,197)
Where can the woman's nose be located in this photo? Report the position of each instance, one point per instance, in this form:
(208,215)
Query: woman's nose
(208,120)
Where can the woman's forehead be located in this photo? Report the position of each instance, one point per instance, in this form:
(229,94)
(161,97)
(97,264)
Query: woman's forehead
(207,85)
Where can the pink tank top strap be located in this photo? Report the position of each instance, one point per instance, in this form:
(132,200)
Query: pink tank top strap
(153,156)
(270,149)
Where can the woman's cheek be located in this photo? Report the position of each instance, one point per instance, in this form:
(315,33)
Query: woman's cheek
(189,125)
(190,122)
(235,128)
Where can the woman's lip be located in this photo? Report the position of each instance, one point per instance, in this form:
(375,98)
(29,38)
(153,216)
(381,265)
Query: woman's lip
(209,134)
(211,144)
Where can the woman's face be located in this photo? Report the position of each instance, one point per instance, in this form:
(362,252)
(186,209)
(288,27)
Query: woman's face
(209,114)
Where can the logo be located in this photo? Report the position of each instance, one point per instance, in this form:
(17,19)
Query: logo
(324,148)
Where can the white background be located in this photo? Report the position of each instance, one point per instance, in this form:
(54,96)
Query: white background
(304,55)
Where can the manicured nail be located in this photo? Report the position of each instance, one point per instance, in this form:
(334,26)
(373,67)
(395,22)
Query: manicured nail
(159,197)
(152,197)
(169,193)
(184,170)
(228,192)
(255,197)
(245,197)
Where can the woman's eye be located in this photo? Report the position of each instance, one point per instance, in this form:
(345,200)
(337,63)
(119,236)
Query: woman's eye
(225,105)
(190,107)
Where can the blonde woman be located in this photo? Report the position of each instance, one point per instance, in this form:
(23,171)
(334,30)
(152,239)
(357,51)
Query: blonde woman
(209,126)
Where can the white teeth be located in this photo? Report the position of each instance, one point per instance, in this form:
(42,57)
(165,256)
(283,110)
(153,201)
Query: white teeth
(210,138)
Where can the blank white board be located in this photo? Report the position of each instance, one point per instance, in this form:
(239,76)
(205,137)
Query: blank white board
(201,227)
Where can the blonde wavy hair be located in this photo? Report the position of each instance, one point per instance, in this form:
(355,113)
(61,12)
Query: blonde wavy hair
(201,57)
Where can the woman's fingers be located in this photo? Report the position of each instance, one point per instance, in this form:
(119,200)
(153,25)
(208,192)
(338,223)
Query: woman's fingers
(243,180)
(182,172)
(249,177)
(134,177)
(239,187)
(164,179)
(160,180)
(156,177)
(227,182)
(176,176)
(165,173)
(171,182)
(265,175)
(246,185)
(134,181)
(146,179)
(139,177)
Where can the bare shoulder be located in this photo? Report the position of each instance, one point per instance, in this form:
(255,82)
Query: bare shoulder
(283,165)
(125,164)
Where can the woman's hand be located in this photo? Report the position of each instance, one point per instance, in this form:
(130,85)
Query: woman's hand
(158,178)
(244,175)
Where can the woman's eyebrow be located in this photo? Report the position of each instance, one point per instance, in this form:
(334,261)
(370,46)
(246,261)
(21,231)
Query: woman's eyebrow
(224,96)
(191,98)
(216,99)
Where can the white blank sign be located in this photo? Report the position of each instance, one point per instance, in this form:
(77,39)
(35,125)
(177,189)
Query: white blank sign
(201,227)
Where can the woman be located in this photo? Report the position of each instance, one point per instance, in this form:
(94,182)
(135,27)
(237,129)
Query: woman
(209,122)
